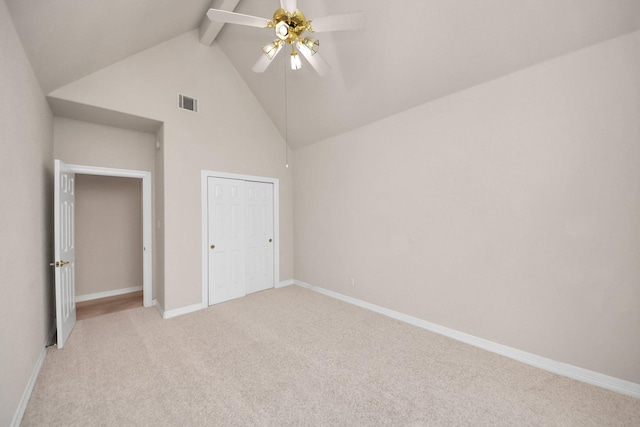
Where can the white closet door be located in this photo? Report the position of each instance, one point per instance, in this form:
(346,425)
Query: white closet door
(259,196)
(226,239)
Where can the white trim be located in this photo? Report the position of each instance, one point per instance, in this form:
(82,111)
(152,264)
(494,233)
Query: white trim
(107,294)
(584,375)
(22,405)
(205,175)
(147,224)
(168,314)
(285,283)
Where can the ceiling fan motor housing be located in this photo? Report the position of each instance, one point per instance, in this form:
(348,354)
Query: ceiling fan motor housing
(289,25)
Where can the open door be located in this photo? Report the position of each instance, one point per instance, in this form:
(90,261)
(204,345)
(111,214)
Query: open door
(65,252)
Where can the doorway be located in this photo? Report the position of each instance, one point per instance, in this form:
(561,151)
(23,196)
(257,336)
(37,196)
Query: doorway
(146,246)
(108,243)
(64,239)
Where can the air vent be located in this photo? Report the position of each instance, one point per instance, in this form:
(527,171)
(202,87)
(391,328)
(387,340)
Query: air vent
(187,103)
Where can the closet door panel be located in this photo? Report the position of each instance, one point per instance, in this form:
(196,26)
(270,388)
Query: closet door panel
(260,236)
(226,239)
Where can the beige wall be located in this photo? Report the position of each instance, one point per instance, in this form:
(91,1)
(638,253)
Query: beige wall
(231,133)
(108,234)
(90,144)
(26,192)
(510,211)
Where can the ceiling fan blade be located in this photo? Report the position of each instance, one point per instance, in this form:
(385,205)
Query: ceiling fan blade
(316,61)
(218,15)
(264,61)
(289,5)
(348,21)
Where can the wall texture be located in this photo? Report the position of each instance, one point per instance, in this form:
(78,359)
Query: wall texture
(509,211)
(231,133)
(26,220)
(108,234)
(90,144)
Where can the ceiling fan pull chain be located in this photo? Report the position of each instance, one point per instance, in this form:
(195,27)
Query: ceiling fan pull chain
(286,119)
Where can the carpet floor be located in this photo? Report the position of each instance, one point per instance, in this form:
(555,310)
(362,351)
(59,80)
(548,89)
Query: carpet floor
(294,357)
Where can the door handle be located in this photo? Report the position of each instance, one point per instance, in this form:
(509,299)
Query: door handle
(58,263)
(270,240)
(213,246)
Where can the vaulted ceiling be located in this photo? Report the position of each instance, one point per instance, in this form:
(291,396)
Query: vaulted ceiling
(409,53)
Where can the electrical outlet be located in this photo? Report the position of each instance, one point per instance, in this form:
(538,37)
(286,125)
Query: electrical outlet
(353,281)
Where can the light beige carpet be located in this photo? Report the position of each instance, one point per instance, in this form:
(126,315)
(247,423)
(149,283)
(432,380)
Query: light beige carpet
(295,357)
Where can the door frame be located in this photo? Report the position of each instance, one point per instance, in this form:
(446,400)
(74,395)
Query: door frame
(147,224)
(205,217)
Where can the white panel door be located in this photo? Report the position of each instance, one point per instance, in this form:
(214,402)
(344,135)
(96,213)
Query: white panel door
(65,251)
(226,239)
(259,236)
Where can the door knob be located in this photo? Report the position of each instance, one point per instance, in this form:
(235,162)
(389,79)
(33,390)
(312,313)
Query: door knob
(58,264)
(213,246)
(270,240)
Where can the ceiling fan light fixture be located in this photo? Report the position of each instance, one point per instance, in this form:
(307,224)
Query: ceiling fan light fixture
(311,44)
(296,63)
(272,49)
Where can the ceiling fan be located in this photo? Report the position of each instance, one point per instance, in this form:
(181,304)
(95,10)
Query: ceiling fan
(290,26)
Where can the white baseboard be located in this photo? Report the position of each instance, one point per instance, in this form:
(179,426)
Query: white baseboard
(285,283)
(22,405)
(106,294)
(168,314)
(590,377)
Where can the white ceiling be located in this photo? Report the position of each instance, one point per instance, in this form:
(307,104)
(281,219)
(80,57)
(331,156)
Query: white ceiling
(410,52)
(69,39)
